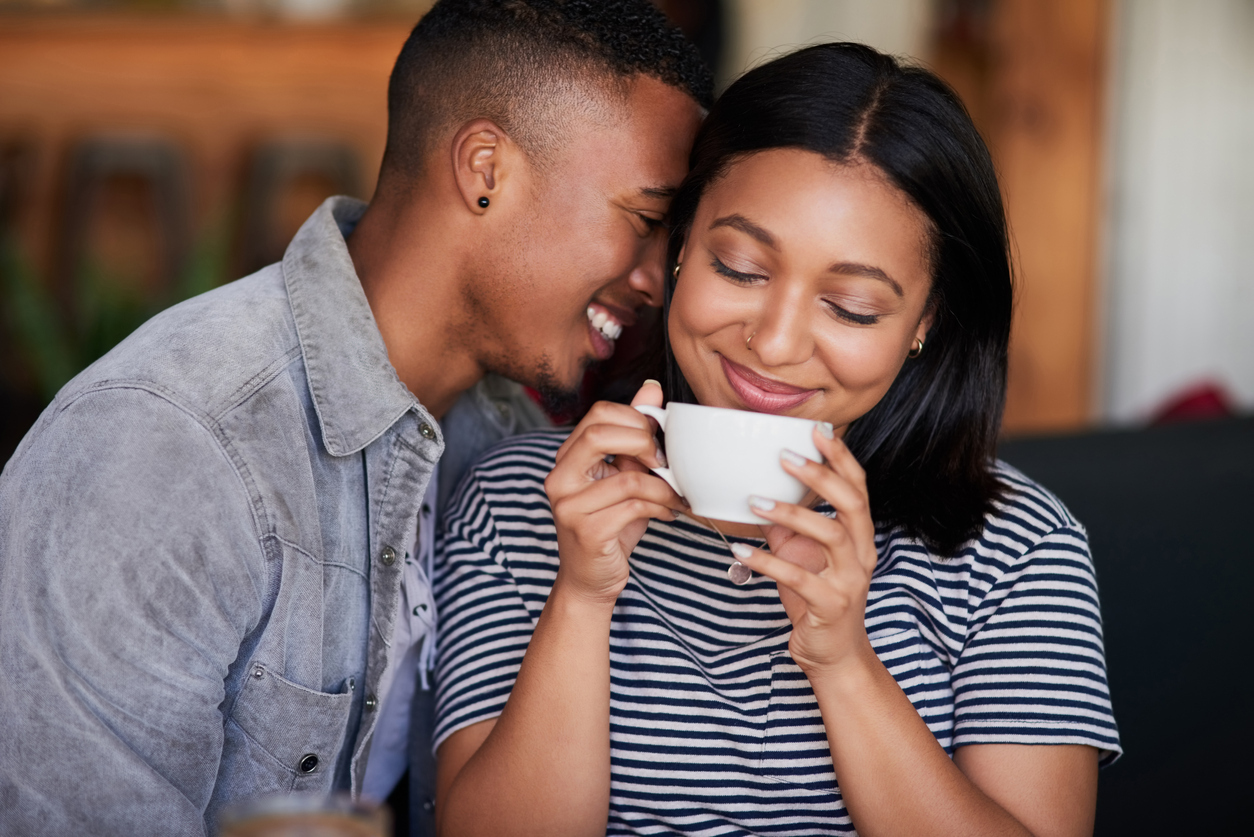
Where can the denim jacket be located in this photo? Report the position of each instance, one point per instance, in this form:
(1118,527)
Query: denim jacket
(201,544)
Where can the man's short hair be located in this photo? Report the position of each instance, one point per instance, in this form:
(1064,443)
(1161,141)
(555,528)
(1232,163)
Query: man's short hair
(525,64)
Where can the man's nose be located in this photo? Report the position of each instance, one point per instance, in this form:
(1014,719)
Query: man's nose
(646,277)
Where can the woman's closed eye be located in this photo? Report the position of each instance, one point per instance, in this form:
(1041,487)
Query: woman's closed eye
(851,316)
(840,311)
(737,276)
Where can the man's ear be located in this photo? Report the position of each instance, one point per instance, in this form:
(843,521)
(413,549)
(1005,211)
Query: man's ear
(482,157)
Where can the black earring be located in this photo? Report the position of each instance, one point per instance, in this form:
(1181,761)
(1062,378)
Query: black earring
(483,202)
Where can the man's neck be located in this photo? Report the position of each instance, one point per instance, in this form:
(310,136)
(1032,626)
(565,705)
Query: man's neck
(409,266)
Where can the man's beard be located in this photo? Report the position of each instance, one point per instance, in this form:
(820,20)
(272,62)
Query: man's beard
(556,398)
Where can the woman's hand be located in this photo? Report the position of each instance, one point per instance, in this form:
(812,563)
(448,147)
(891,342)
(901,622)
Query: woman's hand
(601,508)
(822,566)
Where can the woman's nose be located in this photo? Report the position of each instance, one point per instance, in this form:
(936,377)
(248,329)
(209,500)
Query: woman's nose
(781,335)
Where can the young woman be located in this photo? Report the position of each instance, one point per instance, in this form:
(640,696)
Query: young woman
(919,650)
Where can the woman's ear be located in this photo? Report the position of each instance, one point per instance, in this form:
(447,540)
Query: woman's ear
(482,157)
(929,317)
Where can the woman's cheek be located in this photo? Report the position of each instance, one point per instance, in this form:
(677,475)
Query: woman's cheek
(861,360)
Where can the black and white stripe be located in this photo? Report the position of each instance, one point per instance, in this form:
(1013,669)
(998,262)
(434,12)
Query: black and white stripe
(714,729)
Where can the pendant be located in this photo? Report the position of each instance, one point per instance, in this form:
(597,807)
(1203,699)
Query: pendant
(739,574)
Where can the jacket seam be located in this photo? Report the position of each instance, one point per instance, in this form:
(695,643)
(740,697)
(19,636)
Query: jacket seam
(257,382)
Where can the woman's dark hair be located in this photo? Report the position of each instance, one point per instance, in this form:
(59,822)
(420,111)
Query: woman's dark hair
(928,445)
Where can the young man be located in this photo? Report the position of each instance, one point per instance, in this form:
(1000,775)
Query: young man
(213,544)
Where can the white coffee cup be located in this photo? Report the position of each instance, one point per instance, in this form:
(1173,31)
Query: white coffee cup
(719,458)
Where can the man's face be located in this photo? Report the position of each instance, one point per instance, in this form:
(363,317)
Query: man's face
(575,262)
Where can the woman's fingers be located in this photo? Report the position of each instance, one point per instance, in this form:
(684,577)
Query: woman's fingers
(649,395)
(839,458)
(849,499)
(605,412)
(619,516)
(803,521)
(813,590)
(595,443)
(622,487)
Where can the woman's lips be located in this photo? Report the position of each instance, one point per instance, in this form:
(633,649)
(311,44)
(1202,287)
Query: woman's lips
(761,394)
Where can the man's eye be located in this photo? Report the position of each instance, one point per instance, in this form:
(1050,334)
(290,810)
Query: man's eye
(651,223)
(735,275)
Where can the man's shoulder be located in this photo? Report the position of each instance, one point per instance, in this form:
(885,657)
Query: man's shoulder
(205,352)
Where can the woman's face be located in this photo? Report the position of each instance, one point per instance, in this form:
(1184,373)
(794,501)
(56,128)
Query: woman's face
(803,286)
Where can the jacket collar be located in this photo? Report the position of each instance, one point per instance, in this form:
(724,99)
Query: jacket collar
(356,392)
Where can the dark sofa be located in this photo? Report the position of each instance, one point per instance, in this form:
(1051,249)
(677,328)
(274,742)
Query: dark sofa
(1168,511)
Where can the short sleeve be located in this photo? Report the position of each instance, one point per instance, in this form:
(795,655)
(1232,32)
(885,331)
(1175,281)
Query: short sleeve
(485,625)
(1033,669)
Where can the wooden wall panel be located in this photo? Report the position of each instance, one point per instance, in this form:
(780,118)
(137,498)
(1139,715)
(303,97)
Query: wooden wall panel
(214,85)
(1034,81)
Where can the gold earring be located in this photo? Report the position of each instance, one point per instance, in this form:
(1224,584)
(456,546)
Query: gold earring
(750,340)
(917,349)
(675,272)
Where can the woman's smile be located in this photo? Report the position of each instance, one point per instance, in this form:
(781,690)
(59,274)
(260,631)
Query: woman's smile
(762,394)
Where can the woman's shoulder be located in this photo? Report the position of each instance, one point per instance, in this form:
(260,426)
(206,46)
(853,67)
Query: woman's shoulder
(1027,500)
(1025,516)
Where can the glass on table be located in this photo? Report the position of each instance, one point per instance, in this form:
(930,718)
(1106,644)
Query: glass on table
(306,815)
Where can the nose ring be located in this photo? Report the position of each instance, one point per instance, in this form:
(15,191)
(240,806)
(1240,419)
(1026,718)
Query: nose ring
(750,340)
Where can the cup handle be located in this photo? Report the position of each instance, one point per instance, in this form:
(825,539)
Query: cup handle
(658,414)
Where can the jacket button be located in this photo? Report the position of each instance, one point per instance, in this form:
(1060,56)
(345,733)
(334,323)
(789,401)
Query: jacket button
(308,763)
(426,431)
(371,702)
(428,805)
(388,556)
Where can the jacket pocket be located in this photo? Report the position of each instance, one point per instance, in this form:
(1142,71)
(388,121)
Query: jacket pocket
(795,749)
(281,737)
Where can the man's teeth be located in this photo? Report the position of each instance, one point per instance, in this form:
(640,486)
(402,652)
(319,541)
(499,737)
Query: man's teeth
(604,323)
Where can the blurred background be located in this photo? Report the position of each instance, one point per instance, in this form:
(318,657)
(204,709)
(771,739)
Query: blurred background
(151,149)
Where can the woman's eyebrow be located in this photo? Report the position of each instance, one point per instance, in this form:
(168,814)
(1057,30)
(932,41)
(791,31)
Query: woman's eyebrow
(740,222)
(855,269)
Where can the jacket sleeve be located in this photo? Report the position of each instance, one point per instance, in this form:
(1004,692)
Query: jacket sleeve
(130,573)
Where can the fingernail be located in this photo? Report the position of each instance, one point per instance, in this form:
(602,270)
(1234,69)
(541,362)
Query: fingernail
(761,503)
(653,381)
(793,458)
(826,430)
(742,550)
(661,458)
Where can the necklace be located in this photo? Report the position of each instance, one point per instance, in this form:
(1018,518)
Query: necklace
(738,573)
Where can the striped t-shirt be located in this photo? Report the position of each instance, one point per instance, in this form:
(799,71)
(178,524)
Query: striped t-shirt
(714,729)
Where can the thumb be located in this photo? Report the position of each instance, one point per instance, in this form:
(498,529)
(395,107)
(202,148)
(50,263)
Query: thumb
(649,395)
(776,536)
